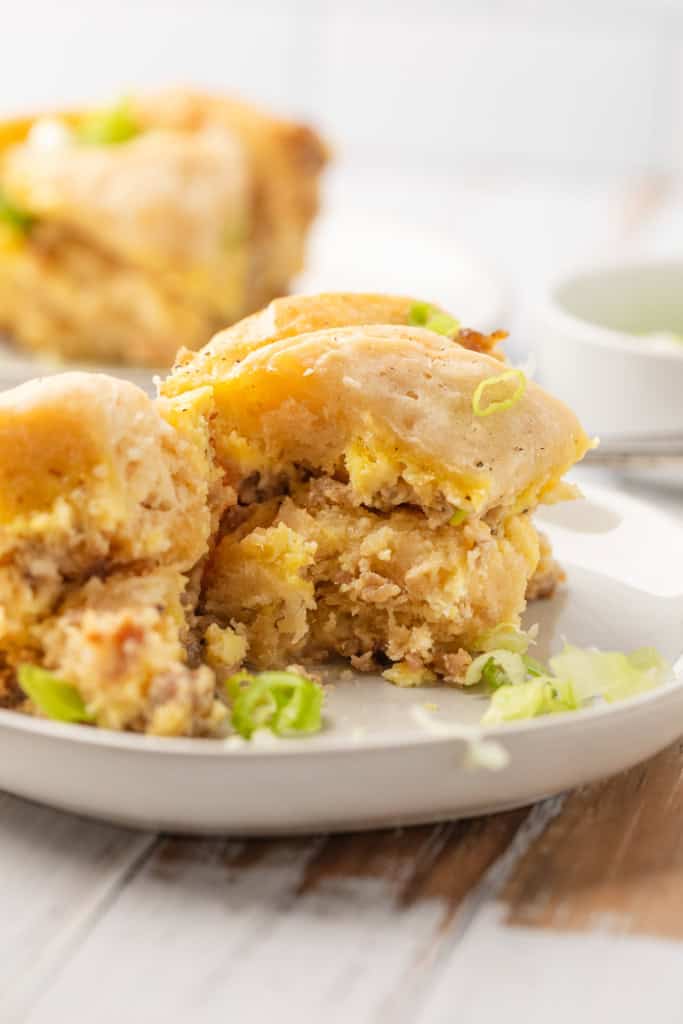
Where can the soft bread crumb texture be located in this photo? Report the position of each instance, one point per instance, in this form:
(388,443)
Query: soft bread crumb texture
(122,642)
(314,574)
(548,575)
(93,479)
(309,486)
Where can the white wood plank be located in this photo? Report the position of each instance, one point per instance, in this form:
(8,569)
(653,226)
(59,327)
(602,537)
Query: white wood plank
(524,976)
(57,872)
(209,942)
(212,929)
(181,936)
(587,926)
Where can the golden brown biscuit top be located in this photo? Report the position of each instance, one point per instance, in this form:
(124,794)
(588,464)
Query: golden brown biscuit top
(387,397)
(344,381)
(293,315)
(94,455)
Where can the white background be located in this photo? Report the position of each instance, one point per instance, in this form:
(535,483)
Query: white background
(533,133)
(581,86)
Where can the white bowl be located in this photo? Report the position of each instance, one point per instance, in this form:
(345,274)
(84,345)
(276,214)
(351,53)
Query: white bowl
(591,353)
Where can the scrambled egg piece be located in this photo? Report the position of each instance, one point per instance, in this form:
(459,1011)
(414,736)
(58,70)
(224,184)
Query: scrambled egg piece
(123,642)
(123,247)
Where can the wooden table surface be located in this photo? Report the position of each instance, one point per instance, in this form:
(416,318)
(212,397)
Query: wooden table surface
(568,910)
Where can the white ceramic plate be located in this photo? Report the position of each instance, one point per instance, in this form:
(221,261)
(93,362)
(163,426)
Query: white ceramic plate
(352,252)
(374,765)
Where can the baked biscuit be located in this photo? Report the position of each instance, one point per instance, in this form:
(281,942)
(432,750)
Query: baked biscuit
(126,234)
(384,499)
(94,479)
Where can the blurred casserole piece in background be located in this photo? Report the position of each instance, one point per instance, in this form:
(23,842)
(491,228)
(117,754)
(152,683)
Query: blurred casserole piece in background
(129,232)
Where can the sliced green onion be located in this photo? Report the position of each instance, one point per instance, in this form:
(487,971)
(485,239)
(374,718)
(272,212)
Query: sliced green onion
(109,127)
(420,313)
(508,637)
(443,323)
(496,668)
(423,314)
(494,675)
(610,674)
(533,666)
(458,517)
(578,677)
(51,695)
(515,702)
(506,403)
(284,702)
(12,215)
(541,696)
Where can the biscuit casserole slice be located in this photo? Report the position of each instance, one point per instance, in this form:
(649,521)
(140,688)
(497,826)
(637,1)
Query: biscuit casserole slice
(104,513)
(339,475)
(387,467)
(128,232)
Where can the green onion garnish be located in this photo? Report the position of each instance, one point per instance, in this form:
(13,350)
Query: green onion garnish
(109,127)
(574,679)
(458,517)
(528,700)
(506,636)
(533,666)
(612,675)
(496,668)
(420,313)
(423,314)
(443,323)
(494,675)
(51,695)
(506,403)
(284,702)
(14,216)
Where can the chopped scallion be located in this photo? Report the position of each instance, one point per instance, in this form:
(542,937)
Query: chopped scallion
(284,702)
(109,127)
(423,314)
(496,668)
(498,406)
(458,517)
(53,696)
(14,217)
